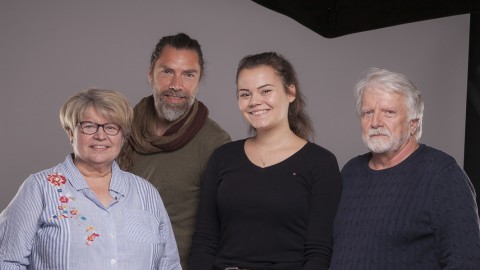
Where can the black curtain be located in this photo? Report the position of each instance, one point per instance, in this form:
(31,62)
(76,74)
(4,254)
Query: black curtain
(472,125)
(334,18)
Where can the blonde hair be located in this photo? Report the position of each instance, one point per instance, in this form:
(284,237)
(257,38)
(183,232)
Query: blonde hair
(109,104)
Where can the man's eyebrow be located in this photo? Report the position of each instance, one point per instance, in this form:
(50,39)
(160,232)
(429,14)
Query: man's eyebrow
(164,67)
(161,66)
(190,71)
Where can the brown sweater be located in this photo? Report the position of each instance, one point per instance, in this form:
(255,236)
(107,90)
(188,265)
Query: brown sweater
(178,176)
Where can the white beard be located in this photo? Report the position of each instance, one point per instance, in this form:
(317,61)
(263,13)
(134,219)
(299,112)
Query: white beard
(380,145)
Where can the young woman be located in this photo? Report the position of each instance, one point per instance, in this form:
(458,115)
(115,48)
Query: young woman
(268,201)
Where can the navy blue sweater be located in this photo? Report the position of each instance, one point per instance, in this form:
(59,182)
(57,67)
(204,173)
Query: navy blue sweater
(420,214)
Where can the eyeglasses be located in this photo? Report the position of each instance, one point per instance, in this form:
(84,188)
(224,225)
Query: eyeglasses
(91,128)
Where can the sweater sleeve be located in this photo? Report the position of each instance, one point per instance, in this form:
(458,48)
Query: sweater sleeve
(455,220)
(325,196)
(205,238)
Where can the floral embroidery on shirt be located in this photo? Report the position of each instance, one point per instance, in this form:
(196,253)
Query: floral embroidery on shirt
(57,179)
(67,211)
(92,236)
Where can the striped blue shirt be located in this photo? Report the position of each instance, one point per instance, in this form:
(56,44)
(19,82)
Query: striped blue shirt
(56,222)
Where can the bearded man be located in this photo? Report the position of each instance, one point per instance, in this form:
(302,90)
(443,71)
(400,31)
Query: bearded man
(404,205)
(172,135)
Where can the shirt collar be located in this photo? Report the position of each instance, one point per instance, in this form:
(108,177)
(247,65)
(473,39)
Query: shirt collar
(118,183)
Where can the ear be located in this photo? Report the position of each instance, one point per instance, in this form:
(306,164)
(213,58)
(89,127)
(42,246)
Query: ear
(413,126)
(292,93)
(150,75)
(70,136)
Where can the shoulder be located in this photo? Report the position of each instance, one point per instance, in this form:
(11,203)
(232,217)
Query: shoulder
(317,153)
(51,175)
(443,169)
(212,125)
(319,150)
(125,181)
(356,163)
(143,185)
(211,135)
(317,158)
(320,164)
(431,154)
(38,185)
(138,188)
(433,162)
(230,148)
(228,153)
(212,128)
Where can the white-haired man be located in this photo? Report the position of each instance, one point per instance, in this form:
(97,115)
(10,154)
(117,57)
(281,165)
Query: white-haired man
(404,205)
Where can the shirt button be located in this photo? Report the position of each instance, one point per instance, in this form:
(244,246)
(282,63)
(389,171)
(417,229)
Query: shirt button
(113,261)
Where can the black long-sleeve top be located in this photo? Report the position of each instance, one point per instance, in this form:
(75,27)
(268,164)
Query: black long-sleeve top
(278,217)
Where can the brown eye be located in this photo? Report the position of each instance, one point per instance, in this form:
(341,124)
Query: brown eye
(244,94)
(265,91)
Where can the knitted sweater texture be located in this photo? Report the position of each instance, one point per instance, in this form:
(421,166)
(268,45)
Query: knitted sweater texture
(420,214)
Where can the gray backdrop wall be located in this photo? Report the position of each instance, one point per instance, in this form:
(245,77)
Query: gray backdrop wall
(50,50)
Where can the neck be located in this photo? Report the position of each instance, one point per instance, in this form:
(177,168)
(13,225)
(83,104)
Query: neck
(162,124)
(98,180)
(274,138)
(94,171)
(271,147)
(390,159)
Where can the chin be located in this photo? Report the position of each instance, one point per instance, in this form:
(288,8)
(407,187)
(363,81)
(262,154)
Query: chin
(378,147)
(256,125)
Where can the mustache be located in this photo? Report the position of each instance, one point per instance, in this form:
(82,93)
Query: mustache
(378,131)
(175,93)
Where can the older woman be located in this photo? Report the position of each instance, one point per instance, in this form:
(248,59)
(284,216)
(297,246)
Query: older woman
(86,213)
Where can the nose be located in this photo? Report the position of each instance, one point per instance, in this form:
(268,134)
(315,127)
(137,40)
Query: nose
(376,120)
(255,100)
(176,82)
(100,135)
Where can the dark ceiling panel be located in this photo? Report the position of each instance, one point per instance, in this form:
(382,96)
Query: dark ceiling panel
(331,18)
